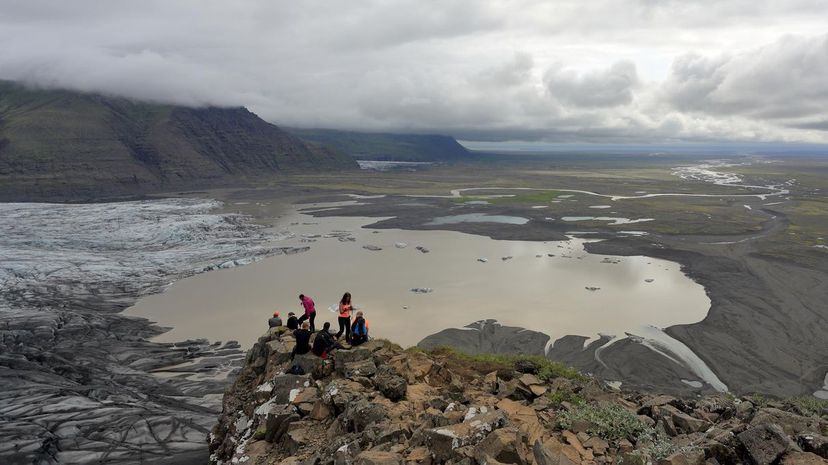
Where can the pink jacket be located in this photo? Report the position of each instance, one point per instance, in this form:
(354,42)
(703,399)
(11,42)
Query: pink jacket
(310,307)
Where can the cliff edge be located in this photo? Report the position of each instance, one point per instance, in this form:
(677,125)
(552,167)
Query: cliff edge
(378,404)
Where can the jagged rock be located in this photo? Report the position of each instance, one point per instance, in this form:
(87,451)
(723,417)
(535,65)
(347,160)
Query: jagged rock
(765,444)
(343,357)
(523,417)
(803,458)
(320,411)
(744,410)
(686,424)
(419,456)
(311,365)
(598,445)
(376,457)
(361,413)
(573,441)
(553,452)
(504,445)
(360,369)
(813,442)
(443,440)
(286,386)
(391,386)
(277,421)
(693,457)
(791,423)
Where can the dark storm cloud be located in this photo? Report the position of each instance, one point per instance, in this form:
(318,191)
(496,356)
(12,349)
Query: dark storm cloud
(501,69)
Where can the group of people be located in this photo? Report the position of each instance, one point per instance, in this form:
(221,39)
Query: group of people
(355,332)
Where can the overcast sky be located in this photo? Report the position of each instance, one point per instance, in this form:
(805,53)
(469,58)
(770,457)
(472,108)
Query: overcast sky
(548,70)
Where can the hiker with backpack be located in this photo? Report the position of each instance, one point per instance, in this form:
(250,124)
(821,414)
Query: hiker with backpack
(302,336)
(310,311)
(359,330)
(344,318)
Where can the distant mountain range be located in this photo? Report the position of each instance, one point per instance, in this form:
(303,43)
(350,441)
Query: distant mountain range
(383,146)
(63,145)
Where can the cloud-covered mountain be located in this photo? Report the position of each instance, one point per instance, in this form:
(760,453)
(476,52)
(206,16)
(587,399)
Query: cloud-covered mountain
(70,145)
(557,71)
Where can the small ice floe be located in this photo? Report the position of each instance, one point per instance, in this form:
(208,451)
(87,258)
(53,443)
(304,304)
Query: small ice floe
(405,307)
(422,249)
(307,240)
(649,280)
(311,236)
(422,290)
(538,207)
(508,257)
(695,384)
(600,206)
(592,288)
(347,239)
(748,207)
(613,261)
(482,260)
(565,196)
(371,247)
(550,255)
(823,393)
(375,232)
(820,246)
(538,256)
(400,245)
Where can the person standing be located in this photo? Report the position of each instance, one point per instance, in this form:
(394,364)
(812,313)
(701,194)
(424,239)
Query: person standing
(344,318)
(310,311)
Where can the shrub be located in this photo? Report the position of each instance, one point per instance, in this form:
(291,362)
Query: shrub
(610,421)
(807,406)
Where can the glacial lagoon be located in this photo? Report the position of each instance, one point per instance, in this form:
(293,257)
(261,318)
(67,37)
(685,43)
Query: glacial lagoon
(553,287)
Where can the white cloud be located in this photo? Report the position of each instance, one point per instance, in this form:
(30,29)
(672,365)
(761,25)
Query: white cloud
(565,70)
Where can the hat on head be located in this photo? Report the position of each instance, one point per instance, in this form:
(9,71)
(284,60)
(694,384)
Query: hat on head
(275,314)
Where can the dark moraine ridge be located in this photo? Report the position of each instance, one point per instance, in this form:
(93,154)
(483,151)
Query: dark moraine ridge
(61,145)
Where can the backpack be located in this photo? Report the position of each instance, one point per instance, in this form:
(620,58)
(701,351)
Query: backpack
(296,369)
(359,329)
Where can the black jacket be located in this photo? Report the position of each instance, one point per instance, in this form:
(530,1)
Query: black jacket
(293,322)
(302,341)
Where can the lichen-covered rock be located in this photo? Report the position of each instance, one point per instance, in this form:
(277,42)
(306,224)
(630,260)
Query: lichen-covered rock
(765,444)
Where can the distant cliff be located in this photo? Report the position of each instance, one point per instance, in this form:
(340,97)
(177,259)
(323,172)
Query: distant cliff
(64,145)
(390,147)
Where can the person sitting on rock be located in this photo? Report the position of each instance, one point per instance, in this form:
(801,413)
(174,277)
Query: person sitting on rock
(275,321)
(359,330)
(303,336)
(310,311)
(292,322)
(324,342)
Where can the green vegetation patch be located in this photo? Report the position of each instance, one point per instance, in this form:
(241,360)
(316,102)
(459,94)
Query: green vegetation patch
(610,421)
(547,369)
(529,198)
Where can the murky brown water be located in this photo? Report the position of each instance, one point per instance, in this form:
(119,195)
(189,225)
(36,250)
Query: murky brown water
(542,293)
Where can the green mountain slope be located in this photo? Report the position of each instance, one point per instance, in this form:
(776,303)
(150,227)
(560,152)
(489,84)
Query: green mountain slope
(381,146)
(66,145)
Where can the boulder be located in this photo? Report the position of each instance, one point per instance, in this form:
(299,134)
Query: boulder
(524,417)
(803,458)
(377,457)
(419,456)
(765,444)
(791,423)
(503,445)
(443,440)
(684,423)
(360,414)
(311,365)
(344,357)
(598,445)
(692,457)
(359,369)
(390,384)
(277,420)
(813,442)
(552,452)
(345,454)
(285,387)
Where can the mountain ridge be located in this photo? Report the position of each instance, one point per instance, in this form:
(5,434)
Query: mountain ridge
(64,145)
(381,146)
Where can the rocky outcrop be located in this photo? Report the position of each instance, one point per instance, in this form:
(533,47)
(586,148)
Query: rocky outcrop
(379,404)
(489,337)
